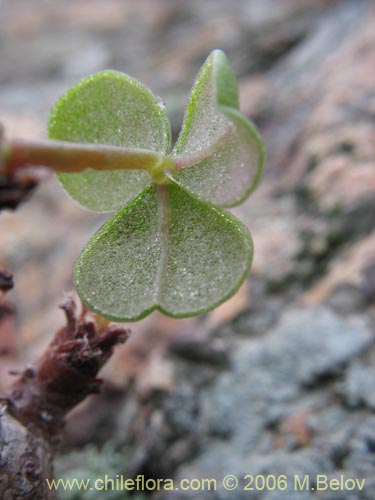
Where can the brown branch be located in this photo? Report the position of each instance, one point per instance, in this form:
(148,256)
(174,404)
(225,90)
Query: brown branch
(32,411)
(6,279)
(7,312)
(14,189)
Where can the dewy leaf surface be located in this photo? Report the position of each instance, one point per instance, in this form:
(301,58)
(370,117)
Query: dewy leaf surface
(109,108)
(167,251)
(116,272)
(228,150)
(209,256)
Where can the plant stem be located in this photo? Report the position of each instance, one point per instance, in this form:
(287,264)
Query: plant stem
(69,157)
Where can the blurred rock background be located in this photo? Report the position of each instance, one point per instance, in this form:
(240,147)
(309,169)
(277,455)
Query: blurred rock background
(281,379)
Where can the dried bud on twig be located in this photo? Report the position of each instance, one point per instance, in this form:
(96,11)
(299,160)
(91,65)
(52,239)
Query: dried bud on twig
(35,406)
(6,279)
(15,189)
(6,309)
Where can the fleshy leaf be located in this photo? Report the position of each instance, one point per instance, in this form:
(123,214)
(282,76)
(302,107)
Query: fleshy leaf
(109,108)
(165,250)
(208,256)
(226,150)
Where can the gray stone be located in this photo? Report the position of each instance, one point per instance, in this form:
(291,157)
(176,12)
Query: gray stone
(306,345)
(358,387)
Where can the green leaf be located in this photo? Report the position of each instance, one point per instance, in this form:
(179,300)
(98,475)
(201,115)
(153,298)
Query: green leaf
(165,250)
(223,149)
(109,108)
(168,247)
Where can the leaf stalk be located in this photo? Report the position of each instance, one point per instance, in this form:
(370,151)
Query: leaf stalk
(70,157)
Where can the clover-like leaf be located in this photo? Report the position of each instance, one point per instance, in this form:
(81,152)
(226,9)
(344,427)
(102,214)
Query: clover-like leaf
(222,149)
(109,108)
(169,247)
(165,250)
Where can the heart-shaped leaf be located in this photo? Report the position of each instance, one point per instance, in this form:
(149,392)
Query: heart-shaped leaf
(224,152)
(109,108)
(165,250)
(168,248)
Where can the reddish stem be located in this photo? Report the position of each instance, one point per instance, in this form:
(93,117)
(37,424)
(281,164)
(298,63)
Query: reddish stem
(66,372)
